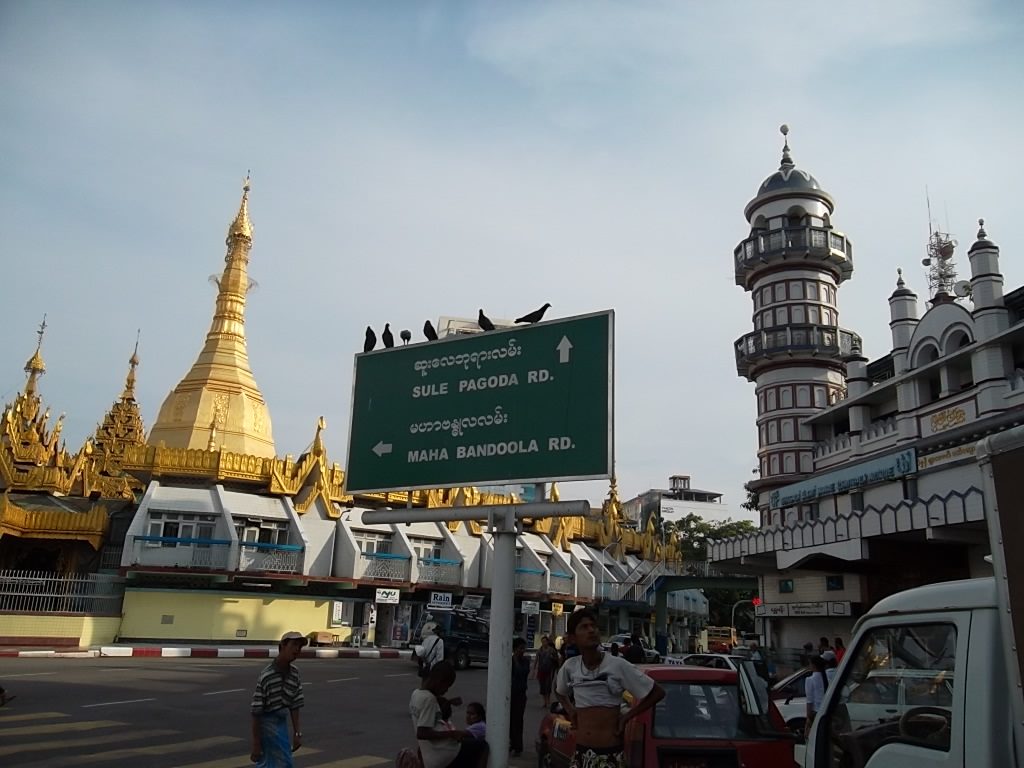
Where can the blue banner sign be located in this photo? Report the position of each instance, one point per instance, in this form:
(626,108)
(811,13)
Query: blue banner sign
(867,473)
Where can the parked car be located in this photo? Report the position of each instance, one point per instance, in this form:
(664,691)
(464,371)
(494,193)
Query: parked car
(651,656)
(465,635)
(789,695)
(708,718)
(724,661)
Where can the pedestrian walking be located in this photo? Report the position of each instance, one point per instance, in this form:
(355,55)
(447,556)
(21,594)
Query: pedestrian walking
(545,666)
(432,651)
(590,688)
(277,699)
(520,684)
(439,744)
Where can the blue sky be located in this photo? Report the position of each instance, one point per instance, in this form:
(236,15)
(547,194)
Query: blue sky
(418,159)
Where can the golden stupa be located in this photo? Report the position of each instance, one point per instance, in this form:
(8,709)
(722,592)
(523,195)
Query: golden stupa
(218,401)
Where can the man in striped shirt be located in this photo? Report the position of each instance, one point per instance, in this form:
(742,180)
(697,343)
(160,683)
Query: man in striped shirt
(278,695)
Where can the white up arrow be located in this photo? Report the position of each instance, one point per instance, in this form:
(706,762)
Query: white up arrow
(381,448)
(563,349)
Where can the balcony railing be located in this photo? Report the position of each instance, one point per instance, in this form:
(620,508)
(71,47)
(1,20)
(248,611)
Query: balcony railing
(383,566)
(529,580)
(255,556)
(435,571)
(176,552)
(110,557)
(46,592)
(813,340)
(560,584)
(819,242)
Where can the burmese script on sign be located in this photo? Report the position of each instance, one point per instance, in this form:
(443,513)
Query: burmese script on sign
(458,425)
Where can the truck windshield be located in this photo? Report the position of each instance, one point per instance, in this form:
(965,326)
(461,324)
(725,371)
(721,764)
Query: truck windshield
(898,688)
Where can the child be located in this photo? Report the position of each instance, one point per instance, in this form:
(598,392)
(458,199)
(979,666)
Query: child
(476,720)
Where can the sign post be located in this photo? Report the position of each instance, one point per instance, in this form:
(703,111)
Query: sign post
(524,405)
(516,406)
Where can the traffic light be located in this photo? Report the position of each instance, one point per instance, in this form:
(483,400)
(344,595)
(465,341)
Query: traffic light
(756,601)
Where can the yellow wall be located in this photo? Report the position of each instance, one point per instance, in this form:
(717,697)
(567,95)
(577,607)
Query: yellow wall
(90,630)
(217,617)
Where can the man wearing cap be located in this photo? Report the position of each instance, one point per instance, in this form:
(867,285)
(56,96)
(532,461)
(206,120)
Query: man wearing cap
(278,694)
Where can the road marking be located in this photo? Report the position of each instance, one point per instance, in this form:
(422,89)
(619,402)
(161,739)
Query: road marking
(242,762)
(342,679)
(362,761)
(112,703)
(31,716)
(106,758)
(91,741)
(400,674)
(229,690)
(30,674)
(80,725)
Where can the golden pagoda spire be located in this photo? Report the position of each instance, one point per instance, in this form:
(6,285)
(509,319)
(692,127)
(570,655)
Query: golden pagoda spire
(35,367)
(133,363)
(220,393)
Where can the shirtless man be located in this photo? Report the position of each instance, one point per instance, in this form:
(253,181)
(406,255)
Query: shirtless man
(596,681)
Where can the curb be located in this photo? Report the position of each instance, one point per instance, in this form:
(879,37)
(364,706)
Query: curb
(210,653)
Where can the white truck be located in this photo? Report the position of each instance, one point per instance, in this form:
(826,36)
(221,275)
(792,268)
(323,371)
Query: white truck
(933,674)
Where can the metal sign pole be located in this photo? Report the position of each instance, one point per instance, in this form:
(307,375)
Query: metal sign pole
(502,628)
(501,520)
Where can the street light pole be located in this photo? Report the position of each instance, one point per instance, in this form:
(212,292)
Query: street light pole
(737,604)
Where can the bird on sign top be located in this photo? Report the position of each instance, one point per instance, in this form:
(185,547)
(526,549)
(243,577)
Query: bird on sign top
(533,317)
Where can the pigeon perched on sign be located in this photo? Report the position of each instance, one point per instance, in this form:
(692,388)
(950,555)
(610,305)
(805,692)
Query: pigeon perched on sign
(389,339)
(534,317)
(371,340)
(406,336)
(484,322)
(429,332)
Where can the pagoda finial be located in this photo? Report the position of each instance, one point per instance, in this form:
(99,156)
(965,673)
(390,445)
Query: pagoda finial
(241,226)
(899,278)
(982,234)
(133,363)
(35,367)
(787,159)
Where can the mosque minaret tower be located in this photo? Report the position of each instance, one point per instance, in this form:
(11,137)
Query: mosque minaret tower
(792,264)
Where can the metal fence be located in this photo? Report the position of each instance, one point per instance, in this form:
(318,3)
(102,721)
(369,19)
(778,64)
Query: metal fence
(46,592)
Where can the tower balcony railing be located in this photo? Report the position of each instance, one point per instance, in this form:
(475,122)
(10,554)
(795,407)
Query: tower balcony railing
(821,243)
(794,340)
(269,558)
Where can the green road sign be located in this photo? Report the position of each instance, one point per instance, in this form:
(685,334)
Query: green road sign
(518,405)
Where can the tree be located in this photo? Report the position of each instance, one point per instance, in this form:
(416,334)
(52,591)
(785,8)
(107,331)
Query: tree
(752,495)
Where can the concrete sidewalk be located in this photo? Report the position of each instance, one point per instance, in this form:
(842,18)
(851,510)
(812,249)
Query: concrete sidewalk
(201,651)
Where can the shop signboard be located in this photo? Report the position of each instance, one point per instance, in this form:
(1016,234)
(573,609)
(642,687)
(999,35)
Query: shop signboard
(388,596)
(530,607)
(440,601)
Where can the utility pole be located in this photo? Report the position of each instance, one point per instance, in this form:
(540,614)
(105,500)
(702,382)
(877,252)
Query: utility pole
(737,604)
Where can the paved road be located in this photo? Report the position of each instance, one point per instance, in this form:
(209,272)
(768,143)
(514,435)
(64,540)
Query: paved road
(193,713)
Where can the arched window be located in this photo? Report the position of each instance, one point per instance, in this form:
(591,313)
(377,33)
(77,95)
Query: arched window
(786,397)
(775,464)
(771,400)
(957,340)
(773,432)
(790,463)
(803,397)
(787,430)
(806,463)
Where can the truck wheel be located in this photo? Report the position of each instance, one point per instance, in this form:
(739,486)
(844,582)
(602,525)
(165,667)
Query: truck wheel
(462,659)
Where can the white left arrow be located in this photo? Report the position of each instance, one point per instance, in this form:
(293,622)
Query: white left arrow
(381,448)
(563,349)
